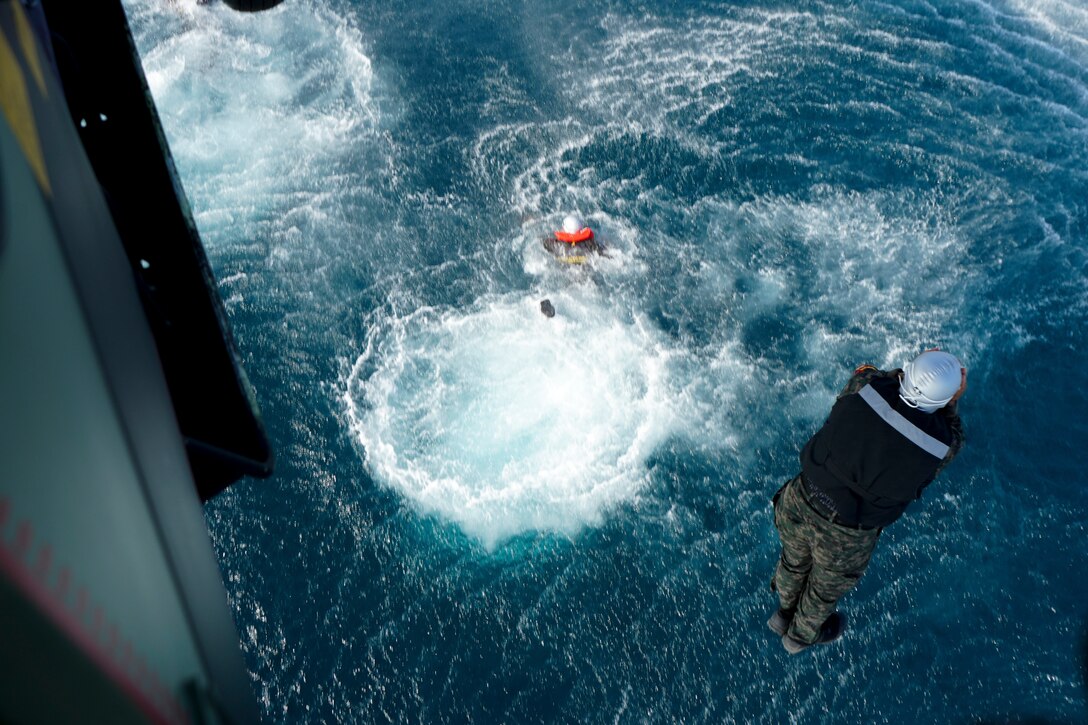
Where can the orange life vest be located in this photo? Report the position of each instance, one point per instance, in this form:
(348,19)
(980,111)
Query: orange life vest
(583,235)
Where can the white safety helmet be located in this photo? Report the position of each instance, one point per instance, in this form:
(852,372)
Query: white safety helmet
(572,224)
(930,380)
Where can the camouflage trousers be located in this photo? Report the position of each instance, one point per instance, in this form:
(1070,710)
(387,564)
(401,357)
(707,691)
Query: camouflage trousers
(820,562)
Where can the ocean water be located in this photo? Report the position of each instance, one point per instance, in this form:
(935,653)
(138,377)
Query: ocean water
(483,515)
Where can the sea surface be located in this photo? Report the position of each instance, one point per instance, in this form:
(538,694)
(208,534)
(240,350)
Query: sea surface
(480,514)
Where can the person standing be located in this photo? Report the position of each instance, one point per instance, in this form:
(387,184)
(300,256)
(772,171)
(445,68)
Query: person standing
(887,437)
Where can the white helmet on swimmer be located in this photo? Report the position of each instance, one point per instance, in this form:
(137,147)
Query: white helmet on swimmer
(572,224)
(930,380)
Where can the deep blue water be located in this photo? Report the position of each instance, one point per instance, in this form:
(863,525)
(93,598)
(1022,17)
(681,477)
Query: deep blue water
(483,515)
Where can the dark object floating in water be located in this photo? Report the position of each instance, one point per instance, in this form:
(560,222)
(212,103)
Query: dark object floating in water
(547,308)
(252,6)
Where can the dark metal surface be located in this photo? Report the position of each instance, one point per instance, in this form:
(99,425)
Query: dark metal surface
(119,127)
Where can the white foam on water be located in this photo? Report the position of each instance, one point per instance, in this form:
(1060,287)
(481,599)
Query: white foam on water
(672,77)
(873,270)
(533,164)
(505,421)
(1065,23)
(259,108)
(886,271)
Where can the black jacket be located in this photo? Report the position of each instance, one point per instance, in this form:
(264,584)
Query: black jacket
(875,454)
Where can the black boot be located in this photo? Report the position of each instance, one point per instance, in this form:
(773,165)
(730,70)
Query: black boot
(830,630)
(780,621)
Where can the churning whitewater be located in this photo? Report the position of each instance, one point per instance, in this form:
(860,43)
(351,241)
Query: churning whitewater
(484,514)
(505,421)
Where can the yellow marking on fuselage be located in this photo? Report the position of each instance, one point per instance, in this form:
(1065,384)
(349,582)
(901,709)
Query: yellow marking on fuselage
(30,48)
(15,103)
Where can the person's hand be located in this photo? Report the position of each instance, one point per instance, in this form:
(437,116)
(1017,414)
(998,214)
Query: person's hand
(963,385)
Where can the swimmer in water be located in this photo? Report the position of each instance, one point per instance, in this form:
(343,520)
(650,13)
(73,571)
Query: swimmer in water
(574,243)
